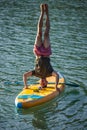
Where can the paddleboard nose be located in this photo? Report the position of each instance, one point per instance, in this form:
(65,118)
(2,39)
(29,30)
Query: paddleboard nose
(18,104)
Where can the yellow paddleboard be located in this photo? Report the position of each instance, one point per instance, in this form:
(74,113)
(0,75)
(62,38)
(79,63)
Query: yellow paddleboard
(33,96)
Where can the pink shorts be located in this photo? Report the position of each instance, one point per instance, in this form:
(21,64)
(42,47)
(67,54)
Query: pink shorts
(42,51)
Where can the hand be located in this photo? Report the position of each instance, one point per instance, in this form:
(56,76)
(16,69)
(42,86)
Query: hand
(25,87)
(57,89)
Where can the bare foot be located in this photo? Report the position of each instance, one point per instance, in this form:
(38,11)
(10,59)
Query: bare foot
(42,8)
(46,8)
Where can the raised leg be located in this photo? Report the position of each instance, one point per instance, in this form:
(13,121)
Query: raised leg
(38,40)
(46,33)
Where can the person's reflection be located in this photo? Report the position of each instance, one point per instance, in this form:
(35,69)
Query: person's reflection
(39,121)
(40,118)
(40,114)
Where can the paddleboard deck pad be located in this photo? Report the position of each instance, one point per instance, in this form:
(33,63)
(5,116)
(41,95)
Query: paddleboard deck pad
(34,96)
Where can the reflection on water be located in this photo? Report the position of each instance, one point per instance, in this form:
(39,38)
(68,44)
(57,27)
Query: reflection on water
(18,26)
(39,114)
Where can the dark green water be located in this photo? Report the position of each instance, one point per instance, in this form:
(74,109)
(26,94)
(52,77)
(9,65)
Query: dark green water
(68,34)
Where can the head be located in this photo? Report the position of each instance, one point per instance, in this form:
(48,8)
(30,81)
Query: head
(43,82)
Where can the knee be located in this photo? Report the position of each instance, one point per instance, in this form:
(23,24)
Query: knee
(39,35)
(46,34)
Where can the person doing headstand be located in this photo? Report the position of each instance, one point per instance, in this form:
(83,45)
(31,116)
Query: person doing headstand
(42,51)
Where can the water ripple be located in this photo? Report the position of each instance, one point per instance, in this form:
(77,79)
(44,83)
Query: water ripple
(18,26)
